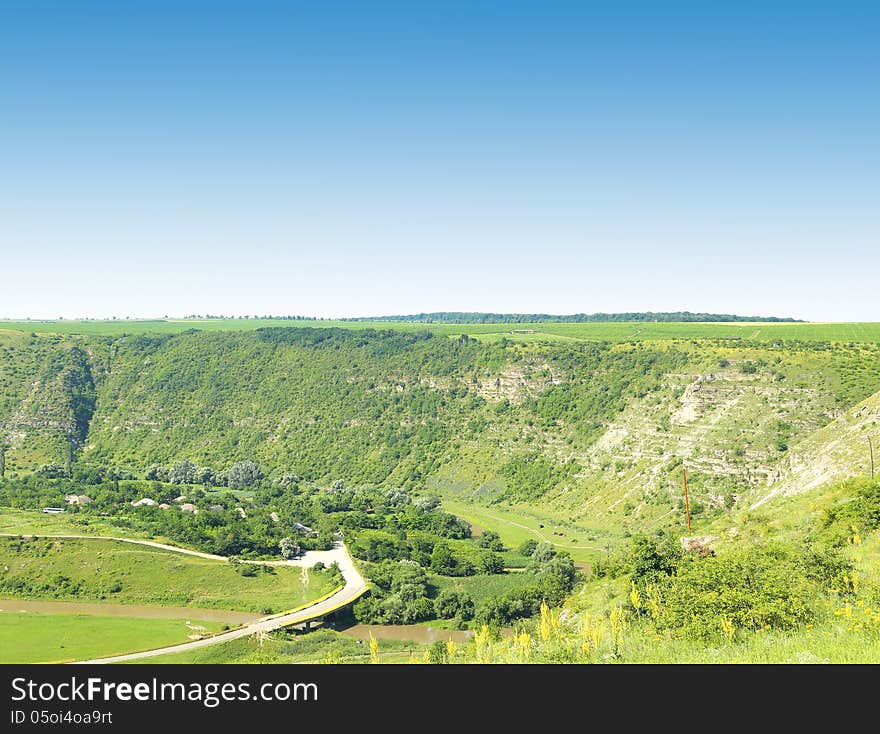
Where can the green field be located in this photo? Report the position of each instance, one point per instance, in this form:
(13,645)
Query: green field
(21,522)
(483,587)
(515,526)
(42,638)
(320,646)
(610,331)
(123,573)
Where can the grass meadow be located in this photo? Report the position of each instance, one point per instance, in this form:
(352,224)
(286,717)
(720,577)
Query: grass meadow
(124,573)
(52,638)
(603,331)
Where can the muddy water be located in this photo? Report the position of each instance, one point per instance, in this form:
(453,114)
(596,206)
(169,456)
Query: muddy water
(126,610)
(414,632)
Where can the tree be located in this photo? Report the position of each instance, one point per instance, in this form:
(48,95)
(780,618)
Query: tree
(490,539)
(157,473)
(527,547)
(543,552)
(375,545)
(436,653)
(243,474)
(289,548)
(182,472)
(442,560)
(556,578)
(204,475)
(651,558)
(490,562)
(426,504)
(452,604)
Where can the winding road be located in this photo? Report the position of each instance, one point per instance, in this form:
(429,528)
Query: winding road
(354,588)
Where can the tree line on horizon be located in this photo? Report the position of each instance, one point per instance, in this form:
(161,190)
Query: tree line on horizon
(476,317)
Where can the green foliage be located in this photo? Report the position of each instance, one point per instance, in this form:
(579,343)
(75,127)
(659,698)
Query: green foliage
(490,562)
(447,563)
(390,407)
(399,595)
(653,557)
(859,508)
(123,573)
(452,604)
(376,545)
(491,540)
(601,380)
(551,578)
(754,588)
(243,474)
(532,475)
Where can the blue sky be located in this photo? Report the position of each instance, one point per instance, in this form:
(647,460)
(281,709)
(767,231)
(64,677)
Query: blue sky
(351,158)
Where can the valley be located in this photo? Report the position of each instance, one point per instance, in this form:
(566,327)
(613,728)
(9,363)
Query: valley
(563,444)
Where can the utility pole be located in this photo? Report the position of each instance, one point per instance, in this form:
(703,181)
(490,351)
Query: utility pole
(687,504)
(871,449)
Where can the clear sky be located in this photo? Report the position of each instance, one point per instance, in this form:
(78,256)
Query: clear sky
(359,158)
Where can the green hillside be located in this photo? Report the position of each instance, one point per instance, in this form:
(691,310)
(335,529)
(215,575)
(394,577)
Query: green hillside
(596,432)
(568,448)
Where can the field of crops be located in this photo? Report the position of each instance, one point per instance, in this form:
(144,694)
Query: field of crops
(615,332)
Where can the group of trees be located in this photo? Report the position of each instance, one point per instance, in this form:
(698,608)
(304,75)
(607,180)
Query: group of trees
(552,575)
(240,475)
(374,407)
(405,541)
(755,586)
(473,317)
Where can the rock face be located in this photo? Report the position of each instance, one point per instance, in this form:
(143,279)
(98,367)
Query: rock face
(834,452)
(747,422)
(724,426)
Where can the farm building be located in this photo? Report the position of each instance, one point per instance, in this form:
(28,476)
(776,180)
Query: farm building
(144,502)
(77,499)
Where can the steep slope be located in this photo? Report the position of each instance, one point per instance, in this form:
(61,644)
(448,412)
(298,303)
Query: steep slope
(363,406)
(48,400)
(729,422)
(837,451)
(584,431)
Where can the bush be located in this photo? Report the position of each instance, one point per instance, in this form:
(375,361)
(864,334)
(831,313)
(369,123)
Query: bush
(861,508)
(653,557)
(490,562)
(754,588)
(490,540)
(452,604)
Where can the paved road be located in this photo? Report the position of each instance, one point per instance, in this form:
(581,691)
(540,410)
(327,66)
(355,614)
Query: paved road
(354,587)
